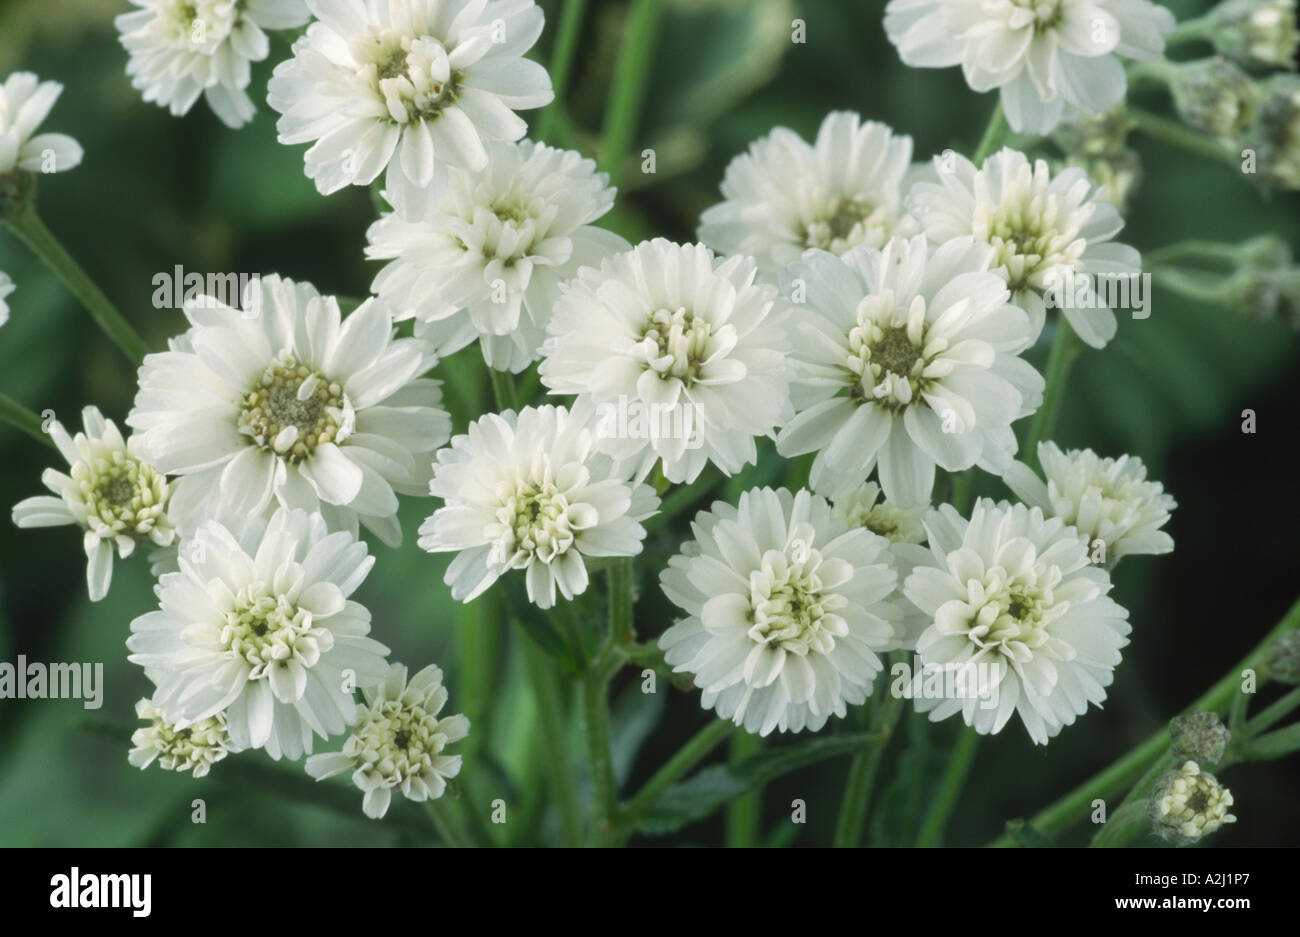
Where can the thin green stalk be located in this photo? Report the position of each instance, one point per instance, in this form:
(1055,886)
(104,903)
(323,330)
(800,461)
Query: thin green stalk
(11,411)
(626,91)
(620,599)
(862,775)
(558,764)
(994,134)
(27,225)
(503,389)
(1127,822)
(1174,134)
(954,779)
(686,758)
(1064,349)
(1123,772)
(744,813)
(1192,249)
(595,724)
(566,43)
(449,828)
(1199,28)
(1271,715)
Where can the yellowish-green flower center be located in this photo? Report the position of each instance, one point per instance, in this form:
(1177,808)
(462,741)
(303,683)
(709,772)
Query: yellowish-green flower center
(127,496)
(267,630)
(681,341)
(789,607)
(291,410)
(396,739)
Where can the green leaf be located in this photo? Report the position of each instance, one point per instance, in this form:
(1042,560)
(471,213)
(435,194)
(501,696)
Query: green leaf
(707,790)
(533,620)
(1025,835)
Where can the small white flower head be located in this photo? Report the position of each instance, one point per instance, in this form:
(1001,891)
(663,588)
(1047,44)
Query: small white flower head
(1109,500)
(529,491)
(675,332)
(413,86)
(785,196)
(398,741)
(906,358)
(786,607)
(183,48)
(1014,591)
(1189,804)
(25,101)
(486,262)
(195,748)
(287,402)
(1256,33)
(864,506)
(258,624)
(111,492)
(6,287)
(1042,54)
(1050,233)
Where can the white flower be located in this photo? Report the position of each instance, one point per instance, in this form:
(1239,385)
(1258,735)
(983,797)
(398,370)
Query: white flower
(786,610)
(24,103)
(1105,499)
(6,287)
(287,402)
(674,330)
(110,491)
(1040,53)
(529,491)
(487,261)
(906,359)
(1048,232)
(1014,591)
(258,624)
(785,196)
(1189,804)
(195,748)
(411,85)
(398,741)
(863,506)
(183,48)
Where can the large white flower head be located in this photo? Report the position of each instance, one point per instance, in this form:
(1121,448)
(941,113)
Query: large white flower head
(414,86)
(288,402)
(785,195)
(1109,500)
(6,288)
(195,748)
(787,610)
(865,506)
(1013,591)
(1048,231)
(906,358)
(183,48)
(110,491)
(258,624)
(487,261)
(529,491)
(690,339)
(398,741)
(25,101)
(1042,54)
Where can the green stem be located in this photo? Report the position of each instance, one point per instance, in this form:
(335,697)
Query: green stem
(449,828)
(595,723)
(11,411)
(566,43)
(1064,349)
(558,765)
(503,389)
(1199,28)
(687,757)
(1127,823)
(954,779)
(1273,714)
(1193,249)
(994,134)
(1131,766)
(620,599)
(27,225)
(744,813)
(862,776)
(623,110)
(1174,134)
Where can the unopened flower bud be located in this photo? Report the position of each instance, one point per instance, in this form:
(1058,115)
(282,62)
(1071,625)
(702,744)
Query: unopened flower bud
(1189,804)
(1256,33)
(1275,135)
(1119,175)
(1283,662)
(1084,135)
(1215,96)
(1200,736)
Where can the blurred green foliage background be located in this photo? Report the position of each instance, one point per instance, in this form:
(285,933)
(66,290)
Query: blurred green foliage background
(155,192)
